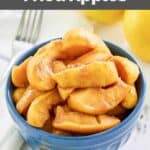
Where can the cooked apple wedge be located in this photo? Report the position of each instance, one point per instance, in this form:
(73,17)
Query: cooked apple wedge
(39,70)
(38,112)
(127,70)
(58,66)
(90,57)
(84,59)
(29,95)
(131,99)
(51,49)
(97,101)
(19,74)
(39,73)
(17,94)
(82,123)
(77,42)
(96,74)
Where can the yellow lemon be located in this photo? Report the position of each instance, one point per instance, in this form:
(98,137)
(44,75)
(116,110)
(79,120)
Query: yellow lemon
(137,31)
(104,16)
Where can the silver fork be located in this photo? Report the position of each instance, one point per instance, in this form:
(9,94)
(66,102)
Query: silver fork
(28,30)
(26,36)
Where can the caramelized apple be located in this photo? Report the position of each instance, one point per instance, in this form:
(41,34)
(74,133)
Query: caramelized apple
(90,57)
(38,112)
(39,73)
(96,74)
(77,42)
(19,74)
(17,94)
(131,99)
(127,70)
(98,101)
(29,95)
(82,123)
(50,50)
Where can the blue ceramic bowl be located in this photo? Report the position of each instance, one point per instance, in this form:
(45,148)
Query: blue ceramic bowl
(108,140)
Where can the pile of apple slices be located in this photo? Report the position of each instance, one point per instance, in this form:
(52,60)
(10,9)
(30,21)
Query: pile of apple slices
(75,86)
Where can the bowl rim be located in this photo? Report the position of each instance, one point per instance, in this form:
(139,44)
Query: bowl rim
(19,119)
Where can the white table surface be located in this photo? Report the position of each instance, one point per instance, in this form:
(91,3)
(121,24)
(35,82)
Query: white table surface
(55,24)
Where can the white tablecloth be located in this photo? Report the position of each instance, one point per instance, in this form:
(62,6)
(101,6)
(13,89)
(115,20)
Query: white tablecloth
(55,23)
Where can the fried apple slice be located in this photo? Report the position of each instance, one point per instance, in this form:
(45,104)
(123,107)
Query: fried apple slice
(77,42)
(127,70)
(107,122)
(29,95)
(65,92)
(96,74)
(51,49)
(39,70)
(84,59)
(82,123)
(131,99)
(58,66)
(39,73)
(38,112)
(98,101)
(90,57)
(19,75)
(17,94)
